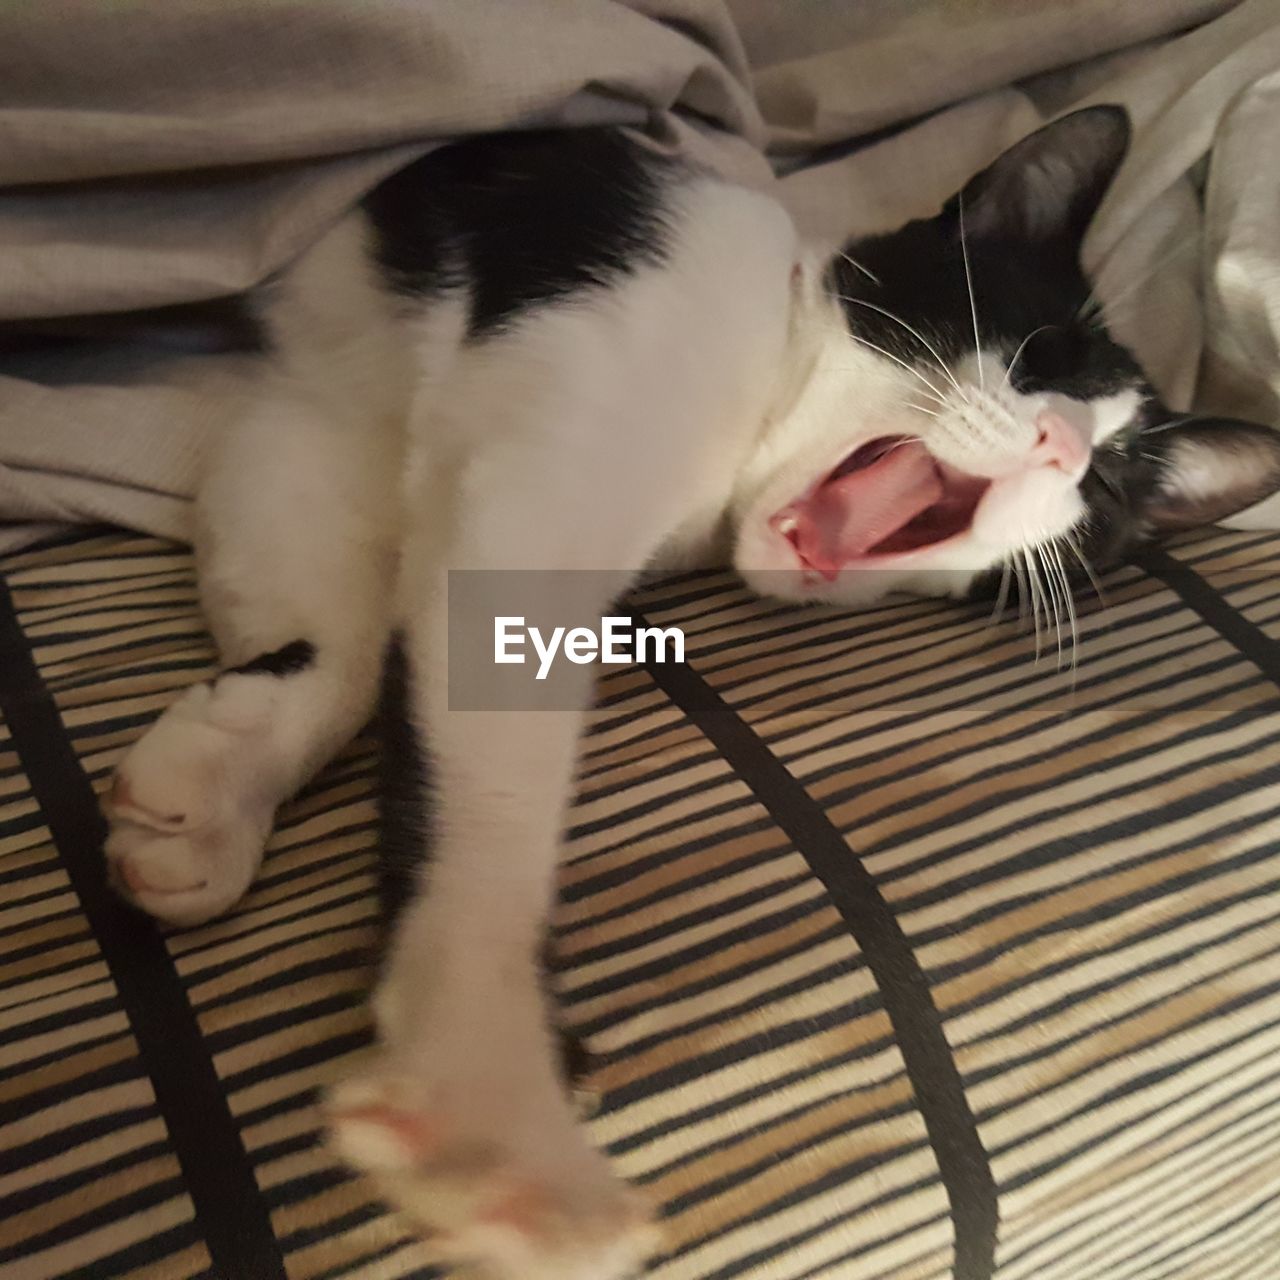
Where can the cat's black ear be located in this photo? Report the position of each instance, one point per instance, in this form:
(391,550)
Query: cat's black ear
(1049,185)
(1207,469)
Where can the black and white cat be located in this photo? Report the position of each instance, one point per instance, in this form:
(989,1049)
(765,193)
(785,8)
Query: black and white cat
(569,352)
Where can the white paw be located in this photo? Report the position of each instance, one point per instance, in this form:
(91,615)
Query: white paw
(189,815)
(502,1178)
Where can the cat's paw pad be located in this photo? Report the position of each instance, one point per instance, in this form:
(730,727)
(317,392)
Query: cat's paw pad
(188,820)
(185,879)
(525,1207)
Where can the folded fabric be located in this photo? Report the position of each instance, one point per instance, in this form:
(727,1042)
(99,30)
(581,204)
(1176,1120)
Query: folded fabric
(199,147)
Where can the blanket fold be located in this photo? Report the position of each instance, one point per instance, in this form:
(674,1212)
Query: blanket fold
(165,155)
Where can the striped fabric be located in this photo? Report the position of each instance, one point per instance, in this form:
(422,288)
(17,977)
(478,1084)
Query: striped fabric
(901,956)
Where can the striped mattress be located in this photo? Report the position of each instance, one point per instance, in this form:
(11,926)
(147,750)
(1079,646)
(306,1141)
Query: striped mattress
(900,955)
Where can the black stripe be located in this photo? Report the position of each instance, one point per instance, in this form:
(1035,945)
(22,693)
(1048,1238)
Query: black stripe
(1197,594)
(935,1078)
(229,1208)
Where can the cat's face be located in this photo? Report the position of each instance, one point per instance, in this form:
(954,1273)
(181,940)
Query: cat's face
(959,408)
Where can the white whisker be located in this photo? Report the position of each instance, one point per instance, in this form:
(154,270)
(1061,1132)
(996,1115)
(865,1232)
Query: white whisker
(1051,592)
(1016,562)
(1022,346)
(829,368)
(1069,538)
(915,333)
(1002,596)
(857,266)
(973,306)
(1069,600)
(898,360)
(1033,591)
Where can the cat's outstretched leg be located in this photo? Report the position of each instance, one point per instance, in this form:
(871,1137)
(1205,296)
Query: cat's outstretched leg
(568,444)
(293,556)
(464,1120)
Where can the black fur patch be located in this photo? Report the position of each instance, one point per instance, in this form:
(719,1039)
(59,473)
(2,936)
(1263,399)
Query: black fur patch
(288,660)
(520,219)
(1023,291)
(404,777)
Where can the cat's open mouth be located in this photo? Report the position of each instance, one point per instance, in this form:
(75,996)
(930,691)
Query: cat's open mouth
(889,498)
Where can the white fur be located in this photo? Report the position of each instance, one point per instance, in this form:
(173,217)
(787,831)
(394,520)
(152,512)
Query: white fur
(583,436)
(383,452)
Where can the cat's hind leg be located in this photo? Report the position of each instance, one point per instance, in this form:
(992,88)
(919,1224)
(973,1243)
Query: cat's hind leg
(295,538)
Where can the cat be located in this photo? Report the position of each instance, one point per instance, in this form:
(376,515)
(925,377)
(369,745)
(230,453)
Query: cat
(569,351)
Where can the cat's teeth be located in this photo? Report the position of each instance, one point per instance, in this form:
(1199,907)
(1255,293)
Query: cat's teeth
(788,525)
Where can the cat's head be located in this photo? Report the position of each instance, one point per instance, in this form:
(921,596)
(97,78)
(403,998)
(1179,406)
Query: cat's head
(959,402)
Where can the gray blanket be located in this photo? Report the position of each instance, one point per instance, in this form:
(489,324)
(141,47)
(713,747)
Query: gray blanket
(160,154)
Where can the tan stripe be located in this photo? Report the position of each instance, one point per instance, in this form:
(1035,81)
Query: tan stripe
(312,1079)
(675,743)
(667,875)
(55,1211)
(78,1109)
(622,956)
(1036,816)
(173,1266)
(1220,1074)
(140,645)
(1191,1236)
(816,1155)
(48,928)
(77,997)
(836,1219)
(620,845)
(64,1070)
(68,953)
(1132,1192)
(354,1242)
(314,915)
(160,593)
(85,1155)
(18,849)
(847,1082)
(65,1039)
(1045,883)
(82,1250)
(285,957)
(1089,970)
(820,740)
(813,1053)
(298,1036)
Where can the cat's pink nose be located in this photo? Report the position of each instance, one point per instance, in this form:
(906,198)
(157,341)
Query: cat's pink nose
(1059,444)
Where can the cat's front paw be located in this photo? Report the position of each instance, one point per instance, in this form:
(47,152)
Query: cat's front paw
(187,822)
(499,1178)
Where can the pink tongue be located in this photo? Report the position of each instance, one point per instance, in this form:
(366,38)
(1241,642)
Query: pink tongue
(846,517)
